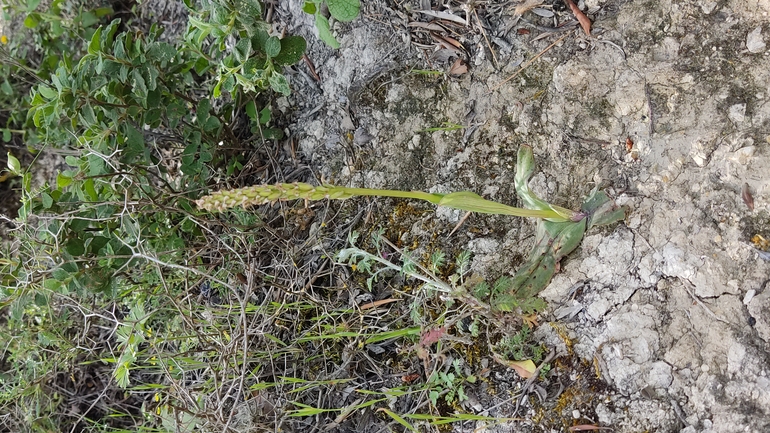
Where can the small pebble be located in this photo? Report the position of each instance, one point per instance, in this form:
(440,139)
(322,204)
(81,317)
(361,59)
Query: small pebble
(754,41)
(749,296)
(576,414)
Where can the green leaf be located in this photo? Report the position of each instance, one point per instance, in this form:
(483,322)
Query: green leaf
(47,200)
(400,420)
(32,21)
(279,83)
(62,181)
(161,52)
(242,50)
(95,45)
(264,115)
(251,110)
(13,164)
(32,5)
(75,247)
(202,111)
(272,47)
(6,135)
(103,11)
(324,31)
(6,87)
(139,86)
(212,124)
(344,10)
(88,188)
(47,92)
(292,50)
(309,8)
(87,19)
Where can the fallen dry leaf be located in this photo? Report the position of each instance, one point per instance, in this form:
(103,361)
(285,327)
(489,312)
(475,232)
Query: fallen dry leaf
(432,336)
(581,17)
(746,196)
(524,368)
(530,320)
(458,68)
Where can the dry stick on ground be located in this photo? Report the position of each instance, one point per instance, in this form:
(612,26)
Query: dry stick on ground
(529,62)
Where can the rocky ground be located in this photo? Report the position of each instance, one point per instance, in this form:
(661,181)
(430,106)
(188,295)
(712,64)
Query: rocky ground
(665,105)
(659,323)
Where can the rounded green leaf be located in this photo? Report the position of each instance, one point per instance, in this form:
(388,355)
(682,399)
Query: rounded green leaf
(292,50)
(272,46)
(344,10)
(32,21)
(75,247)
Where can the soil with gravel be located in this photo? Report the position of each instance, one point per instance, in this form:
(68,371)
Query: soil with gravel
(659,323)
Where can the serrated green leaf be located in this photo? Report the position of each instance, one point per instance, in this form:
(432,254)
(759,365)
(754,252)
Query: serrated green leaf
(324,31)
(344,10)
(272,47)
(96,40)
(292,50)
